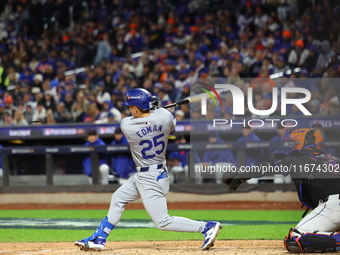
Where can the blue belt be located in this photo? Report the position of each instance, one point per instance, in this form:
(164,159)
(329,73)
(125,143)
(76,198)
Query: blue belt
(145,169)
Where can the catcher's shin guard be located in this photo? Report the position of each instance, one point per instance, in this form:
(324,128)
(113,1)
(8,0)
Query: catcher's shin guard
(309,242)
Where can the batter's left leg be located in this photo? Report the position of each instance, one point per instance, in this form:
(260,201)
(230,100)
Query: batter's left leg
(123,195)
(120,198)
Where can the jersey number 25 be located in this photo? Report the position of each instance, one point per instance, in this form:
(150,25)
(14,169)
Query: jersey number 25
(151,144)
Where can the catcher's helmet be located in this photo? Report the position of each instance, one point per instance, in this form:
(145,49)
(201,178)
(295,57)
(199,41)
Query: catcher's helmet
(305,138)
(140,98)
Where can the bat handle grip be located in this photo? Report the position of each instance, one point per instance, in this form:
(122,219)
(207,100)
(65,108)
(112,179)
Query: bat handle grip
(187,101)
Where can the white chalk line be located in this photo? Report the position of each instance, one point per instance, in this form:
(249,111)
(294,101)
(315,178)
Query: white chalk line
(32,252)
(29,252)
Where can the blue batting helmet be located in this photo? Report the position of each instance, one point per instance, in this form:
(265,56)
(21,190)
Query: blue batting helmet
(140,98)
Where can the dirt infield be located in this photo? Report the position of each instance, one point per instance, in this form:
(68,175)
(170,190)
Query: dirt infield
(238,247)
(222,247)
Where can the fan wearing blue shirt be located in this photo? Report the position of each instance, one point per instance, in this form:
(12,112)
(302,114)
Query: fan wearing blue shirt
(104,170)
(281,135)
(253,155)
(27,76)
(178,160)
(212,157)
(122,163)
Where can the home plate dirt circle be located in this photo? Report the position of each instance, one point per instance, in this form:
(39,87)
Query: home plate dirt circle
(238,247)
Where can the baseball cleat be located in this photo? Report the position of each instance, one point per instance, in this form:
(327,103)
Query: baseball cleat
(97,244)
(210,232)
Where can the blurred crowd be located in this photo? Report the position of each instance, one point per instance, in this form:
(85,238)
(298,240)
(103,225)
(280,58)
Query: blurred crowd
(79,70)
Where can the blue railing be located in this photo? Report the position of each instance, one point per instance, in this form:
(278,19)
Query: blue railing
(78,130)
(240,149)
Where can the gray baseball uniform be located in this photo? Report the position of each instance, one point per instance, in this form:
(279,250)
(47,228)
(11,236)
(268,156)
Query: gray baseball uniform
(148,138)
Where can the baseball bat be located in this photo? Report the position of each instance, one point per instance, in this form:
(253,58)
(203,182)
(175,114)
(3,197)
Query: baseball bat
(195,98)
(186,101)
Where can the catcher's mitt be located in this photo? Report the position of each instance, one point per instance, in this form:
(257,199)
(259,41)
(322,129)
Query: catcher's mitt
(234,180)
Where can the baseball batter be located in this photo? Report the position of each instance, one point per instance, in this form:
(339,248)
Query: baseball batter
(147,133)
(317,232)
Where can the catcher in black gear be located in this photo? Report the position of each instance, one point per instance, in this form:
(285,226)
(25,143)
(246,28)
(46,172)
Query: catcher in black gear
(318,190)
